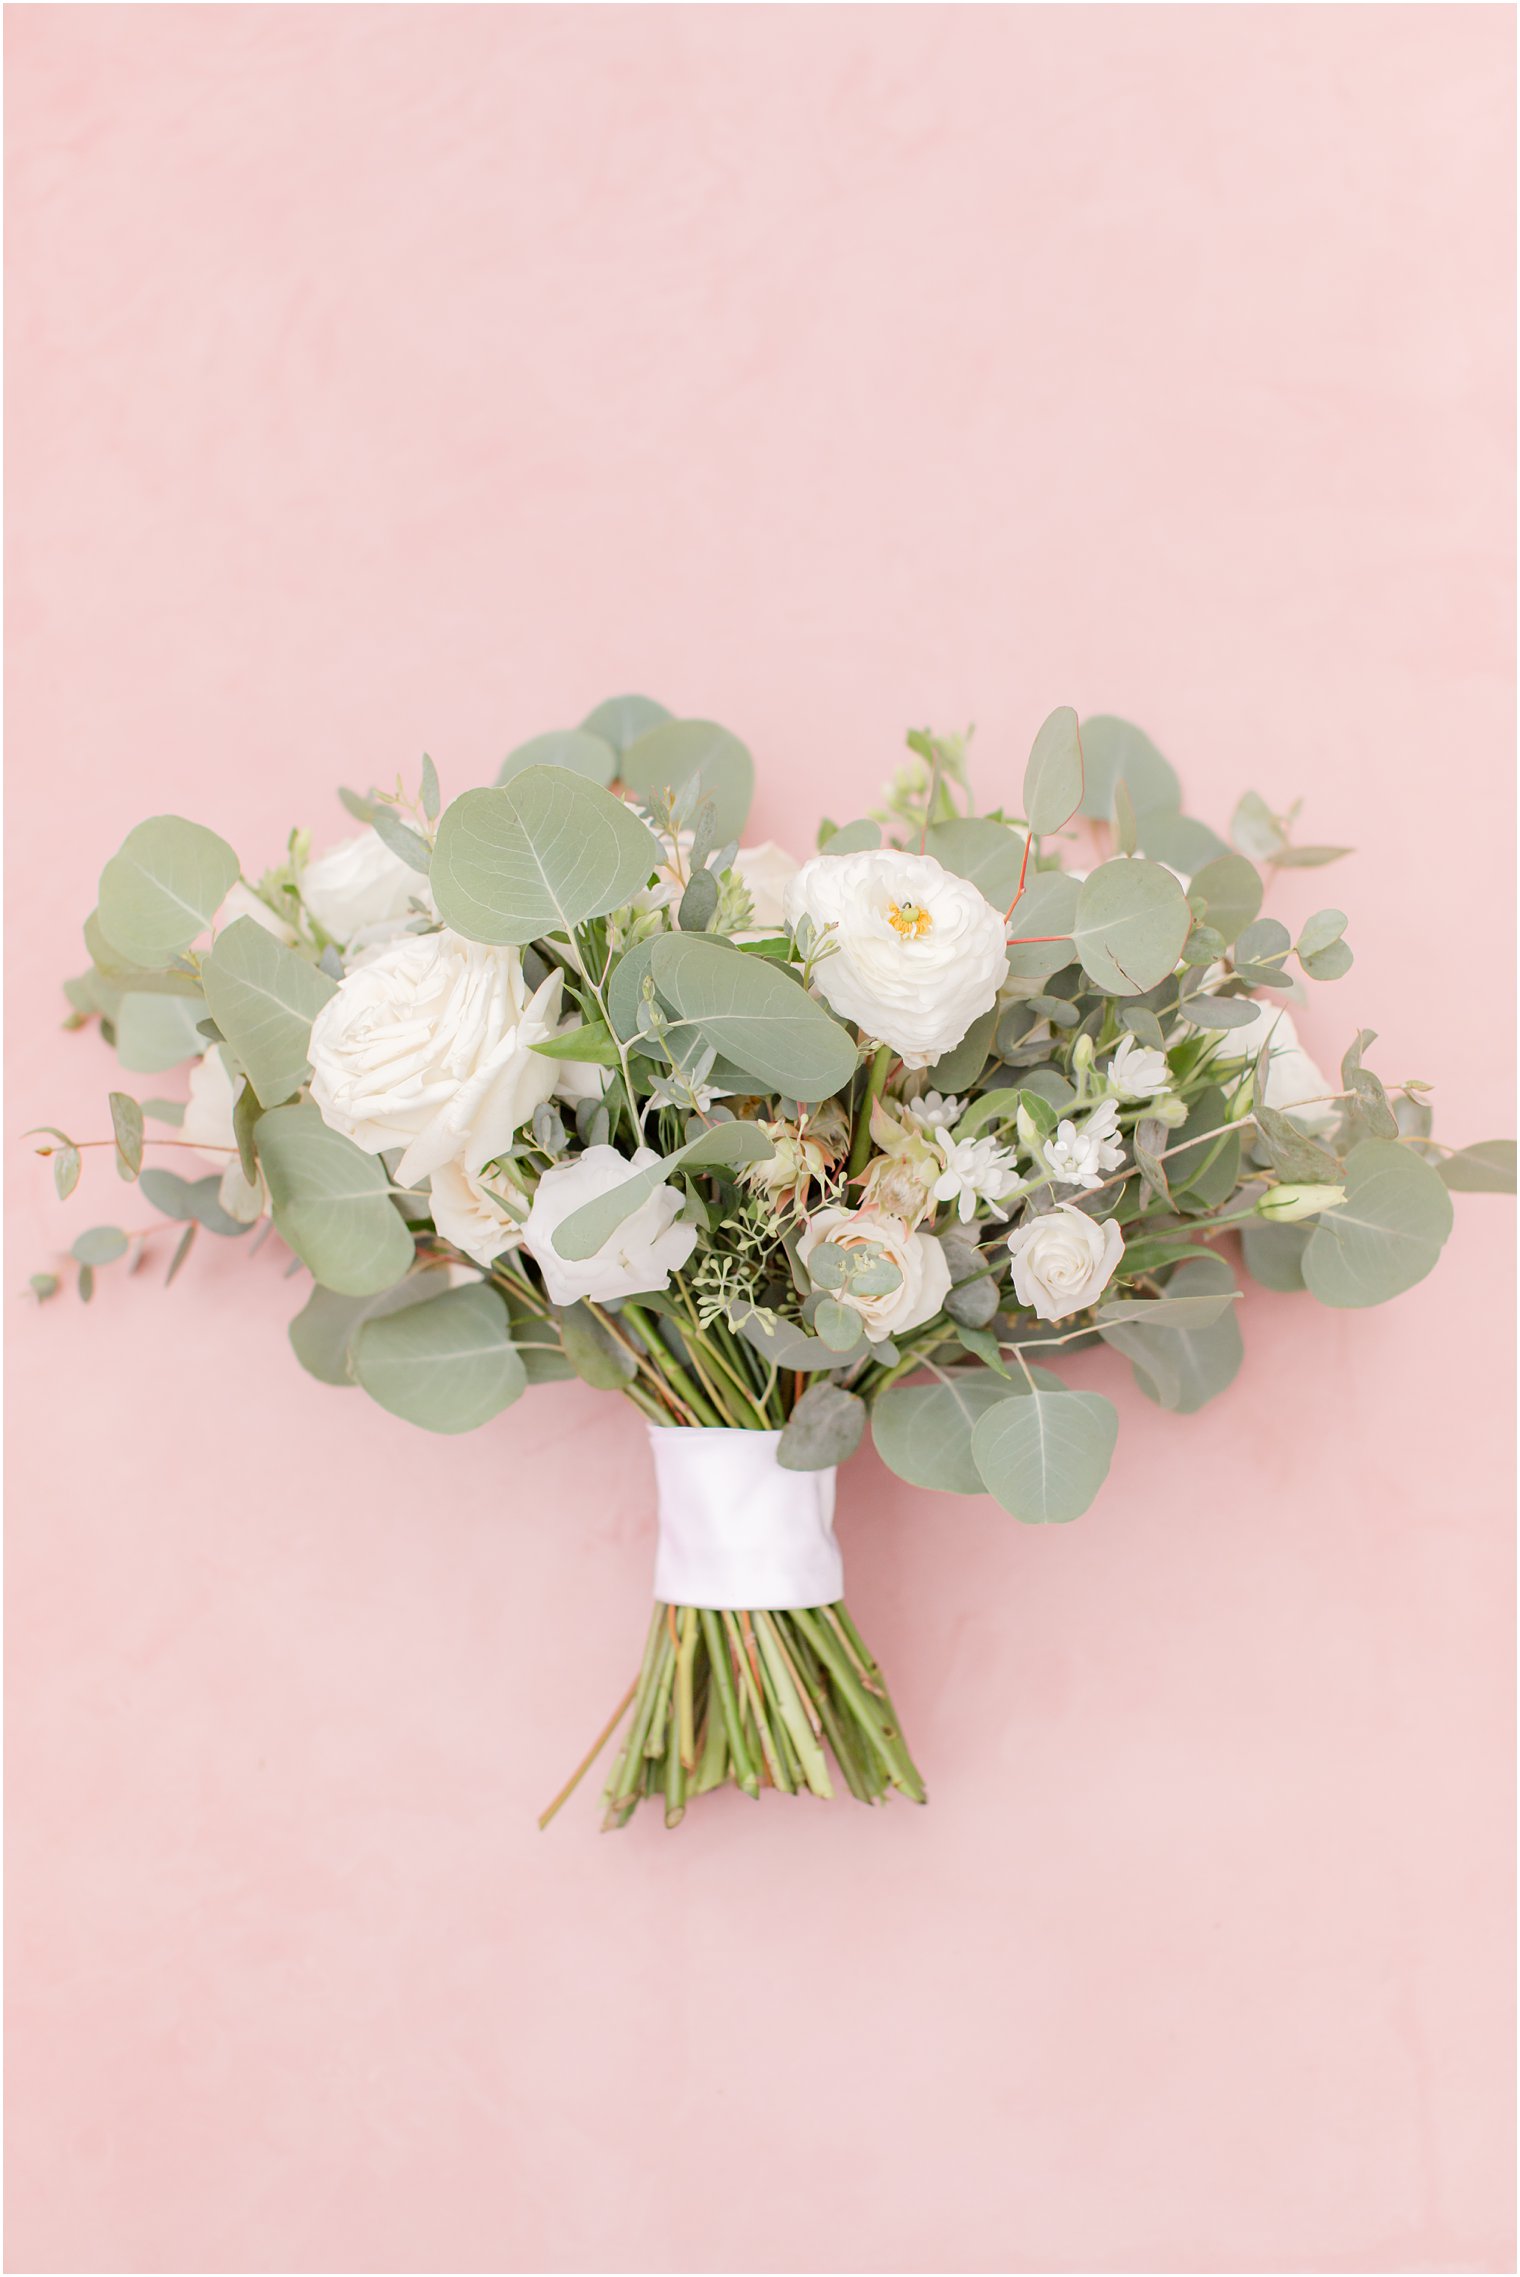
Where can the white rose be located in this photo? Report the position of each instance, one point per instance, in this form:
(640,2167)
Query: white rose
(208,1109)
(474,1212)
(640,1256)
(766,871)
(1137,1072)
(428,1046)
(916,953)
(1292,1076)
(1064,1260)
(920,1260)
(359,884)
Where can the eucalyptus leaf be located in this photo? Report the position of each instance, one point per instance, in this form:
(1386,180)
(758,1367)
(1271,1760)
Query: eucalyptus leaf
(407,844)
(1487,1168)
(1220,1012)
(581,749)
(667,756)
(1274,1255)
(1386,1235)
(1202,1167)
(264,998)
(100,1245)
(331,1203)
(1114,751)
(1255,829)
(780,1343)
(127,1128)
(447,1365)
(1044,1457)
(538,855)
(621,720)
(1310,857)
(1331,963)
(1180,840)
(753,1014)
(923,1431)
(1183,1366)
(1231,888)
(322,1332)
(1263,941)
(856,838)
(163,888)
(156,1031)
(1292,1154)
(1053,774)
(987,854)
(824,1428)
(1132,921)
(699,902)
(963,1063)
(838,1325)
(592,1350)
(194,1199)
(1041,925)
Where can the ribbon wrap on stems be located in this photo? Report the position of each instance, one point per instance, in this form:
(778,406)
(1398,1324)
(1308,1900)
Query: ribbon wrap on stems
(735,1529)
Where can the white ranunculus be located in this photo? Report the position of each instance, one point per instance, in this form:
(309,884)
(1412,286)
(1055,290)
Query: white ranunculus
(428,1046)
(916,953)
(640,1256)
(1136,1071)
(359,884)
(920,1260)
(208,1109)
(1083,1157)
(1292,1076)
(474,1211)
(1063,1260)
(766,871)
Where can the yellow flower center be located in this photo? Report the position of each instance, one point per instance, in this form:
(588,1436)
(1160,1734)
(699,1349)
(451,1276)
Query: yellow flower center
(911,919)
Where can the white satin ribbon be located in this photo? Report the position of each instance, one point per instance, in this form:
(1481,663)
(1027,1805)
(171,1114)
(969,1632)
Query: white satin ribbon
(736,1530)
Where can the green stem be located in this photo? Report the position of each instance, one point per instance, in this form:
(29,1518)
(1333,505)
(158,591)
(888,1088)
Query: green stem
(664,1359)
(876,1083)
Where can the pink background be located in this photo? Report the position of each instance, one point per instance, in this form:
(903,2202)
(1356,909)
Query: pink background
(389,378)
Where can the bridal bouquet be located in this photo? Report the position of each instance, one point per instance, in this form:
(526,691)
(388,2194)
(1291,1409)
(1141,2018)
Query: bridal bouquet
(562,1079)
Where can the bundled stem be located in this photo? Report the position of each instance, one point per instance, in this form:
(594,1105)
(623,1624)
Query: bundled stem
(755,1699)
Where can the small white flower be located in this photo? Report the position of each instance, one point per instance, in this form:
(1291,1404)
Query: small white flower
(1081,1157)
(976,1170)
(638,1257)
(1063,1260)
(1137,1072)
(935,1112)
(476,1211)
(916,954)
(670,1088)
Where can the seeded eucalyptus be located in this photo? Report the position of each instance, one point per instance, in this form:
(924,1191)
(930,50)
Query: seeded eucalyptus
(561,1080)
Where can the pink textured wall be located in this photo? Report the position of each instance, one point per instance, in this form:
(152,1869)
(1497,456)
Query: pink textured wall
(384,378)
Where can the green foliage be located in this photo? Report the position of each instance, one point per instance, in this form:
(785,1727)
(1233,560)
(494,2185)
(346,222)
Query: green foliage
(824,1428)
(1487,1168)
(127,1129)
(1045,1456)
(1386,1235)
(923,1431)
(331,1203)
(323,1331)
(582,750)
(196,1201)
(1132,919)
(447,1365)
(755,1015)
(621,720)
(1048,906)
(987,853)
(163,888)
(1053,775)
(1186,1348)
(669,755)
(540,855)
(101,1245)
(1230,888)
(596,1355)
(264,998)
(726,1145)
(157,1030)
(1115,752)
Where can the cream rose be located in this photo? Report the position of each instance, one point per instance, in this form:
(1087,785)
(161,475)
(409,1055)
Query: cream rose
(639,1256)
(475,1211)
(916,954)
(1063,1260)
(428,1046)
(360,884)
(924,1267)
